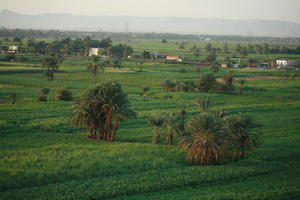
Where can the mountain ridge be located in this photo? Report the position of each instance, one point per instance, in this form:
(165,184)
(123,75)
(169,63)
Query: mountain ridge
(65,21)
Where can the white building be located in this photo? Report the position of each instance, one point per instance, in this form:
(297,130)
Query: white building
(94,51)
(284,63)
(12,49)
(174,58)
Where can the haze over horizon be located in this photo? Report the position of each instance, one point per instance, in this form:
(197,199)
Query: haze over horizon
(282,10)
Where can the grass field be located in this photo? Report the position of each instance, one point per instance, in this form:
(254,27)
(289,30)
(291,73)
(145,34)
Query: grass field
(44,157)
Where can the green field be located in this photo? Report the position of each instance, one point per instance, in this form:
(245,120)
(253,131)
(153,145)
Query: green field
(44,157)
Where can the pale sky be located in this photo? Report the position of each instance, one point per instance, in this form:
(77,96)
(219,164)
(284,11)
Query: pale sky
(284,10)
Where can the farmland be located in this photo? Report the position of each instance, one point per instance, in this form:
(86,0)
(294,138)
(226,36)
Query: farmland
(44,157)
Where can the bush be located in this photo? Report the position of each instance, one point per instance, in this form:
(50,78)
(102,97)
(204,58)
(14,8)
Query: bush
(64,94)
(45,91)
(10,57)
(13,98)
(42,98)
(23,59)
(182,70)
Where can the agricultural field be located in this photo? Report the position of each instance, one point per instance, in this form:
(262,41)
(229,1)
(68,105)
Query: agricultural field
(44,157)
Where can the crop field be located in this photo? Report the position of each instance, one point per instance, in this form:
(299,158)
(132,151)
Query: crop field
(43,157)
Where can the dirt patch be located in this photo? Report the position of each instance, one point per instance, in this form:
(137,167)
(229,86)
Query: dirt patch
(254,78)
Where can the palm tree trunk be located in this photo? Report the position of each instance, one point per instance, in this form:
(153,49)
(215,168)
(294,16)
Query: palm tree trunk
(155,136)
(107,124)
(114,131)
(170,139)
(241,89)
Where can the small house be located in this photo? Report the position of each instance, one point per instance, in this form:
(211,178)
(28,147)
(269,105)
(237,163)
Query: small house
(236,66)
(94,51)
(224,65)
(174,58)
(12,49)
(284,63)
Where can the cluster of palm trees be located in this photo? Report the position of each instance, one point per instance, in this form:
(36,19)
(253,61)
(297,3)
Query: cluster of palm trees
(100,109)
(165,127)
(211,137)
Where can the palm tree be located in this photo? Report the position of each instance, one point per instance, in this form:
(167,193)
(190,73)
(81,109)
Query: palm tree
(95,67)
(205,139)
(164,41)
(101,108)
(202,103)
(241,82)
(251,62)
(51,64)
(171,124)
(244,52)
(157,122)
(84,114)
(245,133)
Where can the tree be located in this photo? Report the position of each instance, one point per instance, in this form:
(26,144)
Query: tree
(116,63)
(211,58)
(95,67)
(208,48)
(141,62)
(294,75)
(121,51)
(13,98)
(226,49)
(244,52)
(51,63)
(164,41)
(205,139)
(157,122)
(196,51)
(17,39)
(241,82)
(245,133)
(207,82)
(266,50)
(238,49)
(228,80)
(64,94)
(171,124)
(214,67)
(252,62)
(251,49)
(100,109)
(228,61)
(181,46)
(202,103)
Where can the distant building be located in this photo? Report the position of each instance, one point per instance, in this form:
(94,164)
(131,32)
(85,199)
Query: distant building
(284,63)
(94,51)
(12,49)
(174,58)
(236,66)
(224,65)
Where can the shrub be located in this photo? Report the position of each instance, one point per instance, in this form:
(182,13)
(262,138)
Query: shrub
(182,71)
(198,69)
(23,59)
(13,98)
(10,57)
(42,98)
(45,91)
(64,94)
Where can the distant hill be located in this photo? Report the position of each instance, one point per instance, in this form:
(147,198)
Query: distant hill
(63,21)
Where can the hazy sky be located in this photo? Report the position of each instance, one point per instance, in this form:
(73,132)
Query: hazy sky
(285,10)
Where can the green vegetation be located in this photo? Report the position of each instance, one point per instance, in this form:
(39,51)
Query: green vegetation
(44,157)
